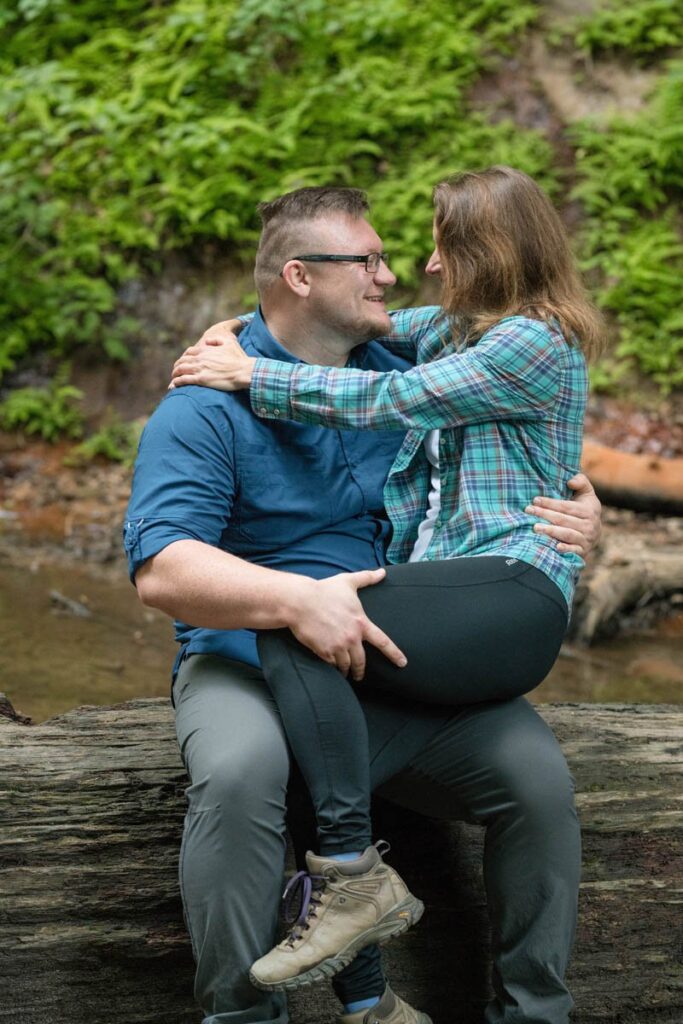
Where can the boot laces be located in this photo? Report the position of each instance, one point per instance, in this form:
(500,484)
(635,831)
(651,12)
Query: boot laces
(300,901)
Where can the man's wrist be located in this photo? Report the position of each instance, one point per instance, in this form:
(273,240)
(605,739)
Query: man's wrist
(296,599)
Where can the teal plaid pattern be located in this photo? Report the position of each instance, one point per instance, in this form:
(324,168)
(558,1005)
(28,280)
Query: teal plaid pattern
(510,410)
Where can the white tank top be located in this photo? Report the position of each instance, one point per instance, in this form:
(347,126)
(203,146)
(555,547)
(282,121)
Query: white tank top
(426,528)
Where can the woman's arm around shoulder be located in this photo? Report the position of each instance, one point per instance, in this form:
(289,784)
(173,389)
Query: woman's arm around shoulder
(514,372)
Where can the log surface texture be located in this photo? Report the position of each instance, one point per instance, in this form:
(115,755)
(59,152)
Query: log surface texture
(91,929)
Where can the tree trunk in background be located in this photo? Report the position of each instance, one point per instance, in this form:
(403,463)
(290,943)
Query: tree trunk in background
(644,482)
(91,924)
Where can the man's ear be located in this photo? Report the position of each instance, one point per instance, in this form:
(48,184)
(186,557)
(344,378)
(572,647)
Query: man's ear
(295,274)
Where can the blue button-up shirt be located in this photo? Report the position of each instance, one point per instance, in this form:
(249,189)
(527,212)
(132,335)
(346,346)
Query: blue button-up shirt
(298,498)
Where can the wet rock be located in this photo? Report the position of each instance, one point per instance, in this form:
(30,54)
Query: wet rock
(67,605)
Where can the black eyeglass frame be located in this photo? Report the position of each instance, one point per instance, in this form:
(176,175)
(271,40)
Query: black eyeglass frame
(381,257)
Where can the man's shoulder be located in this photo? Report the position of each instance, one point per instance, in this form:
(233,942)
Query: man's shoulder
(379,358)
(204,414)
(199,402)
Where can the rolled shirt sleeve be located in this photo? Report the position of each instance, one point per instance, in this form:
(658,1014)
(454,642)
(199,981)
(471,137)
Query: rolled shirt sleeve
(513,373)
(184,479)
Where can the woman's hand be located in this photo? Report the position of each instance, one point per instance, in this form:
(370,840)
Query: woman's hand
(216,361)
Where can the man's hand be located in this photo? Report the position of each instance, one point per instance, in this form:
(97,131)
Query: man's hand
(329,619)
(216,361)
(574,524)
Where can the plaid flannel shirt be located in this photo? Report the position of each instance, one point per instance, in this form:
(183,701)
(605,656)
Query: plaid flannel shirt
(510,414)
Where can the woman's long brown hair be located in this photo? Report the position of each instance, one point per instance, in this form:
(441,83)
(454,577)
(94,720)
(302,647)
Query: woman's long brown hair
(505,252)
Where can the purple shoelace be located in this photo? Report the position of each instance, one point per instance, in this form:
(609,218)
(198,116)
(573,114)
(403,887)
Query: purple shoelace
(302,891)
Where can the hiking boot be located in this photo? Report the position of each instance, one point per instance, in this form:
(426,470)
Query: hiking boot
(389,1010)
(345,906)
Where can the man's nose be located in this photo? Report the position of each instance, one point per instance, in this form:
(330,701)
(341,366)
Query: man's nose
(433,263)
(384,276)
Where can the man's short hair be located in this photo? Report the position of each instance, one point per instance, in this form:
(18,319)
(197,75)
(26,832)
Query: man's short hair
(287,225)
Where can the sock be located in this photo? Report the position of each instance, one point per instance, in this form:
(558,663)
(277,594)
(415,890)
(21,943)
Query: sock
(362,1004)
(345,856)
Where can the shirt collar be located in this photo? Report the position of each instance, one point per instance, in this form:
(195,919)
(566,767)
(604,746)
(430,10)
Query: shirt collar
(257,338)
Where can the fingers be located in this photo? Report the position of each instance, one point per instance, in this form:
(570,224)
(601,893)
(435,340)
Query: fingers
(366,577)
(357,661)
(342,661)
(546,506)
(218,335)
(186,364)
(557,518)
(566,538)
(565,549)
(581,484)
(184,378)
(374,635)
(188,358)
(565,534)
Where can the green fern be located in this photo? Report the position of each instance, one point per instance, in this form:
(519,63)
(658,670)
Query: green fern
(50,412)
(131,129)
(641,28)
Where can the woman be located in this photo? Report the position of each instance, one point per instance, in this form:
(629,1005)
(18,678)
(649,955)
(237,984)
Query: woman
(494,416)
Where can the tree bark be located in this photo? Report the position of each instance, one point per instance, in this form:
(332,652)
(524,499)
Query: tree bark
(90,919)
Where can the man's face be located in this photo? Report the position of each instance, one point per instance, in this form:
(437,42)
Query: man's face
(345,297)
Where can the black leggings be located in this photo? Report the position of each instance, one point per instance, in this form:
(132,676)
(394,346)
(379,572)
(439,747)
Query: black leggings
(473,629)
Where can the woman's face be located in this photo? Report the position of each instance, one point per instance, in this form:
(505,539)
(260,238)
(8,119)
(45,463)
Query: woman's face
(434,262)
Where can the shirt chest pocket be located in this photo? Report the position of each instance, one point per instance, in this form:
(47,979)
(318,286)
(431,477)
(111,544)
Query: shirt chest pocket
(283,490)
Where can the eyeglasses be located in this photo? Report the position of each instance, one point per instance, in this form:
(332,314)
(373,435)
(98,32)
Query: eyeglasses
(371,261)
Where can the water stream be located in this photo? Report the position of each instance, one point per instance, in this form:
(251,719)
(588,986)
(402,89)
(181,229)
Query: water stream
(53,660)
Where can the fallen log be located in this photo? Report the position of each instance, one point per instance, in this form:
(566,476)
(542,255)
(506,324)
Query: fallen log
(628,571)
(90,919)
(645,483)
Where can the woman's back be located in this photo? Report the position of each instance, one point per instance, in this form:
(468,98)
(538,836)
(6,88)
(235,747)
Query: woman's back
(511,412)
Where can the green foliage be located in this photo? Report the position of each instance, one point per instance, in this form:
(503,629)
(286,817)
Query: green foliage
(48,412)
(630,184)
(115,441)
(129,128)
(639,27)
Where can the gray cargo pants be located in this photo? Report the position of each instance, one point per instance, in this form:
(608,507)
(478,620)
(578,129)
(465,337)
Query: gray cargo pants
(495,764)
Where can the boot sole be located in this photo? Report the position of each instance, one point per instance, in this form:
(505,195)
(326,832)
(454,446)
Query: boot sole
(395,922)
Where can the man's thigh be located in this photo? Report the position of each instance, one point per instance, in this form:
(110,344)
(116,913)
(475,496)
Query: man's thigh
(479,760)
(229,731)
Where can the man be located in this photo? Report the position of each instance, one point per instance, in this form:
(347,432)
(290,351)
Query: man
(236,524)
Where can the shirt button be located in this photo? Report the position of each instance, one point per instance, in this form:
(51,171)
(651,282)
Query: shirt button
(276,412)
(263,410)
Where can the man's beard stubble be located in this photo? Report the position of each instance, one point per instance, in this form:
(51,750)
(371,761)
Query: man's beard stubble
(358,330)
